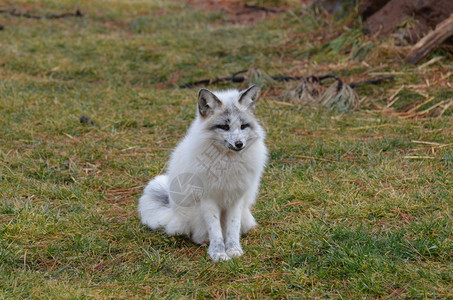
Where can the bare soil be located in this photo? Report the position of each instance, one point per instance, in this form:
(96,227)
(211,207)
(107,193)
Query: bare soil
(237,11)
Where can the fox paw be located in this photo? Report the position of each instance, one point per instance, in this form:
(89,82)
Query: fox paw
(216,257)
(234,251)
(216,250)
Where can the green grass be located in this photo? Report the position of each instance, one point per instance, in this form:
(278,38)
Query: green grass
(355,205)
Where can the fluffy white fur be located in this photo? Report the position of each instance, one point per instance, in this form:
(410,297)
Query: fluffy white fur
(219,163)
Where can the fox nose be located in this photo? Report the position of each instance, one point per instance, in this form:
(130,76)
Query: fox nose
(238,144)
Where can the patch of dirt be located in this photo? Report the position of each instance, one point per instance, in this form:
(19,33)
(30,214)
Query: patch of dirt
(238,12)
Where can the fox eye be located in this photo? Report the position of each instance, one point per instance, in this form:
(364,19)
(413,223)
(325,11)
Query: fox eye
(225,127)
(244,126)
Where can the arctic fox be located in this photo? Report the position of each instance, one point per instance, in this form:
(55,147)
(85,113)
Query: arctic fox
(213,175)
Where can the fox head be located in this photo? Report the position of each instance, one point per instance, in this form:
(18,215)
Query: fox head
(228,117)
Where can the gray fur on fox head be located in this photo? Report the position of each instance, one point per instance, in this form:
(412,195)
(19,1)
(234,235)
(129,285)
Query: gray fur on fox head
(228,117)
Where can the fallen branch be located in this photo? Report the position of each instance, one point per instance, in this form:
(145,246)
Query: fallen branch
(372,81)
(262,8)
(14,13)
(232,78)
(239,79)
(431,41)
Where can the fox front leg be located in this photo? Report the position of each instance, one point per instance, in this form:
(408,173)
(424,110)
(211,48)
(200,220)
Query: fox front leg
(233,230)
(211,215)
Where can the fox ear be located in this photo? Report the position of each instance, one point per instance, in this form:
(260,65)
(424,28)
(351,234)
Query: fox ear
(249,97)
(207,102)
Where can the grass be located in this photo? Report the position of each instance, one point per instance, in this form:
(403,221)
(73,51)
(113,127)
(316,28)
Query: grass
(354,205)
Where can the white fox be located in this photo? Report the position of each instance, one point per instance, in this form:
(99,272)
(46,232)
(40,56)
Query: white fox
(213,175)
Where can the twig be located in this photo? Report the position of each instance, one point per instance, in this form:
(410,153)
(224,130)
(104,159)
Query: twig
(420,105)
(392,102)
(386,73)
(432,107)
(292,204)
(430,62)
(265,9)
(372,81)
(259,277)
(25,259)
(282,103)
(14,13)
(449,103)
(232,78)
(430,143)
(446,76)
(311,157)
(372,126)
(395,94)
